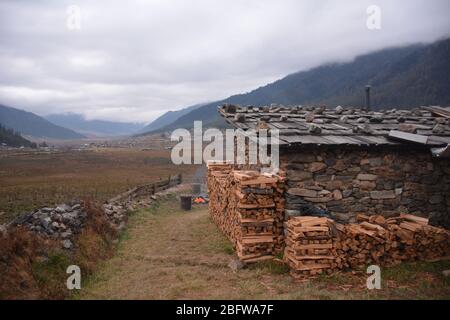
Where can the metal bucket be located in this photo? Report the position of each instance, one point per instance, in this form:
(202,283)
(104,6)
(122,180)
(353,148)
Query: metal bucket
(186,202)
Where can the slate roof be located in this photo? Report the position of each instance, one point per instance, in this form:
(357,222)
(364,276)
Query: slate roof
(307,125)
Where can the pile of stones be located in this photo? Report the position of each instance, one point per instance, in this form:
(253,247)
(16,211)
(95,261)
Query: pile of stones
(62,222)
(116,214)
(65,221)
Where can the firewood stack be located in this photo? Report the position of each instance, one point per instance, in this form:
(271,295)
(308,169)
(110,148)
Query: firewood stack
(386,242)
(219,185)
(320,245)
(248,208)
(309,246)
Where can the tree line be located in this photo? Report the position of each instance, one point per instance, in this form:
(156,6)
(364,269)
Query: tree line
(14,139)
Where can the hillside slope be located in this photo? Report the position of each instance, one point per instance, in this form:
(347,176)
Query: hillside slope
(168,118)
(31,124)
(401,77)
(13,139)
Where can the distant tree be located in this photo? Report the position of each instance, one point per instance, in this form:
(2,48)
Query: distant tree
(13,139)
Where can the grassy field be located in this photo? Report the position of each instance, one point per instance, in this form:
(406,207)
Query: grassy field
(169,254)
(29,179)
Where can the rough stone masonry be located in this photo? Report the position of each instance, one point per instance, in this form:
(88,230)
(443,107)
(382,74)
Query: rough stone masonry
(344,161)
(385,181)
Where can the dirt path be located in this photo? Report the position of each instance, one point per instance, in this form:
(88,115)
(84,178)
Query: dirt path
(168,254)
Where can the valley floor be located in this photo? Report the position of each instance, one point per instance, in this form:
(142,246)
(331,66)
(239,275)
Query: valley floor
(29,180)
(166,253)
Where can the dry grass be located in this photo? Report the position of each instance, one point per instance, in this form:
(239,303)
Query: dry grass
(32,180)
(18,251)
(35,268)
(165,253)
(169,254)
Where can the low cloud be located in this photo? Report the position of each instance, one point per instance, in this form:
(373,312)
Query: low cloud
(134,60)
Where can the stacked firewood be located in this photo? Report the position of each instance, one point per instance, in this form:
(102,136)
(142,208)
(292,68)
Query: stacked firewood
(309,246)
(219,185)
(279,215)
(248,207)
(376,240)
(320,245)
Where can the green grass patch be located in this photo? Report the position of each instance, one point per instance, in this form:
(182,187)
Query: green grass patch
(51,275)
(405,272)
(270,266)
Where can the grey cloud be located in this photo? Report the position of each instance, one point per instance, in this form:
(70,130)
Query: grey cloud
(134,60)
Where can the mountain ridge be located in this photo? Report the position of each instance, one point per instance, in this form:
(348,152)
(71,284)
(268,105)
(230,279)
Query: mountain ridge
(401,77)
(169,117)
(30,124)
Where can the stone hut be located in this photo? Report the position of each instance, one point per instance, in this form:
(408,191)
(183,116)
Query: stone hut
(344,161)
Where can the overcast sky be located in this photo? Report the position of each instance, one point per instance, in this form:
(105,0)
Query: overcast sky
(133,60)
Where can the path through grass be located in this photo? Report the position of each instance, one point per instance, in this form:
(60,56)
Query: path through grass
(169,254)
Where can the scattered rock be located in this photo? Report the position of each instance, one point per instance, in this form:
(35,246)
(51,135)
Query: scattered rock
(67,244)
(63,208)
(376,119)
(236,265)
(315,129)
(66,234)
(343,119)
(309,117)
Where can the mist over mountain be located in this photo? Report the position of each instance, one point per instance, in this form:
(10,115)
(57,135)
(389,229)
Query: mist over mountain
(94,128)
(402,77)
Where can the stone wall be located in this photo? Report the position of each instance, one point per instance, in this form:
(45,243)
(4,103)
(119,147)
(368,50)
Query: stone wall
(385,181)
(66,221)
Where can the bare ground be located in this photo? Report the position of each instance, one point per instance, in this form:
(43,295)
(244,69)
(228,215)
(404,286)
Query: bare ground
(170,254)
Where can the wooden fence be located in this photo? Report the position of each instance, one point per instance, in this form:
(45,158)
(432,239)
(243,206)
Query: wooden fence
(147,189)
